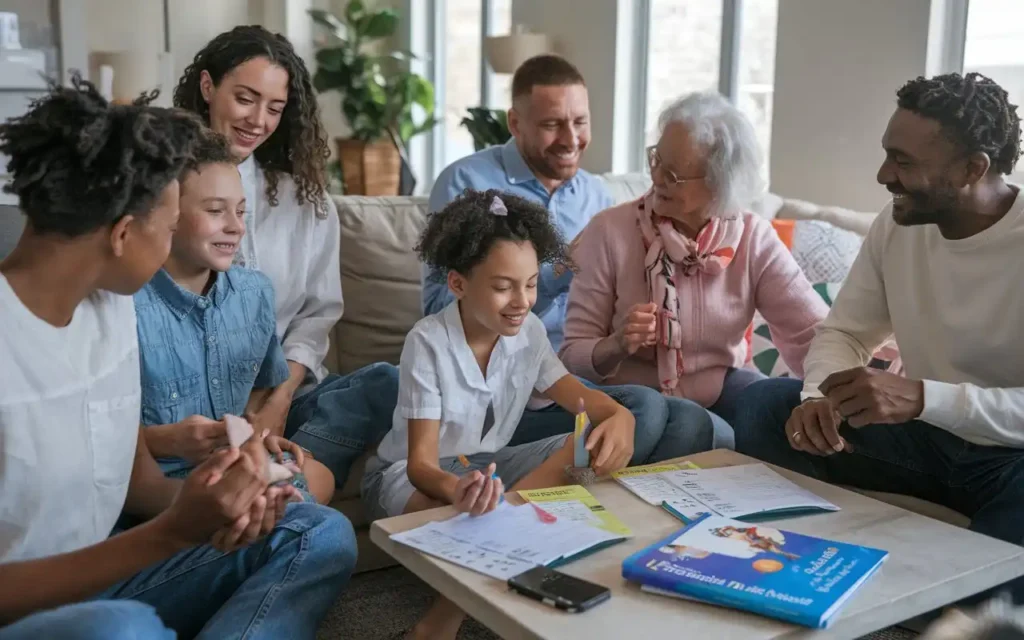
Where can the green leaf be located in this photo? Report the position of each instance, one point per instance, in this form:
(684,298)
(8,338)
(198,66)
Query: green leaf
(354,11)
(380,25)
(326,80)
(332,59)
(422,92)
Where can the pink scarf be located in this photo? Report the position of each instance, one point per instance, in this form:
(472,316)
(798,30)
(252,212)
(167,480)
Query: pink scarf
(668,253)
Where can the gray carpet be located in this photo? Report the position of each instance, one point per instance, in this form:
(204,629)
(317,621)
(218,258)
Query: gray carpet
(379,605)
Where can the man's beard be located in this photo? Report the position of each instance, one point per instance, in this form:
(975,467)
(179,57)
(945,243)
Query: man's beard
(922,207)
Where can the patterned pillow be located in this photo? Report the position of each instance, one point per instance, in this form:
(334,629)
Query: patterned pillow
(824,252)
(764,356)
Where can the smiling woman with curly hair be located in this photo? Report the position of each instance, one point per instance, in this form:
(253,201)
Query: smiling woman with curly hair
(251,86)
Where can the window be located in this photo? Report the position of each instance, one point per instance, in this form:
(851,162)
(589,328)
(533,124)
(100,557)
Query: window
(462,42)
(995,29)
(466,82)
(685,54)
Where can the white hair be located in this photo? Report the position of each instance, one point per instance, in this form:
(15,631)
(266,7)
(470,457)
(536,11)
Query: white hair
(734,156)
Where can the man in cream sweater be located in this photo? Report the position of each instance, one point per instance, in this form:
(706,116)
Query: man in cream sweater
(940,270)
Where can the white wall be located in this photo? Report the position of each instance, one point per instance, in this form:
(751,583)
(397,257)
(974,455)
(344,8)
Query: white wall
(138,25)
(838,66)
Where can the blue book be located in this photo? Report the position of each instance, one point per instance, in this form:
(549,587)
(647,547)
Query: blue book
(778,574)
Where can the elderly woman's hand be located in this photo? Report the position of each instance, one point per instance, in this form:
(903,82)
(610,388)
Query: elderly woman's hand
(639,329)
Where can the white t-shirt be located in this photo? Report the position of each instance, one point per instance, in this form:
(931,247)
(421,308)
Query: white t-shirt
(69,421)
(956,309)
(439,379)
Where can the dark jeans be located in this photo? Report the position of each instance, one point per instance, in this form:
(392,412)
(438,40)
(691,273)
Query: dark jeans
(985,483)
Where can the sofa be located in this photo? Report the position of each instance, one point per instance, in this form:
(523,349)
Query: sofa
(381,283)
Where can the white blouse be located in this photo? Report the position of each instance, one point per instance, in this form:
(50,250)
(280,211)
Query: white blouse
(439,379)
(298,251)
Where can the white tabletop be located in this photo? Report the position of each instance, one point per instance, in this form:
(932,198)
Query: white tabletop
(930,564)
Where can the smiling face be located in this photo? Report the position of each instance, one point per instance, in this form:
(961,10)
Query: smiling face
(922,170)
(552,128)
(246,106)
(498,293)
(211,224)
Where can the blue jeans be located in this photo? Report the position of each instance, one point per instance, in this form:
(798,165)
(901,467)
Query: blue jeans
(665,427)
(279,587)
(984,483)
(731,398)
(345,416)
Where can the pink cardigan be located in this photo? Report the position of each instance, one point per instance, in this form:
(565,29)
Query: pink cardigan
(762,276)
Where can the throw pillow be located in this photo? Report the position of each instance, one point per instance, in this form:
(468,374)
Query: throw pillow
(823,251)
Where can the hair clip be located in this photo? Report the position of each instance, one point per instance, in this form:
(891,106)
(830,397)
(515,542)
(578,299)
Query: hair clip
(498,207)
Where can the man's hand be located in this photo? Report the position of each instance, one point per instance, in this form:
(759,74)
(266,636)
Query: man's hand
(813,427)
(639,328)
(195,438)
(612,440)
(864,396)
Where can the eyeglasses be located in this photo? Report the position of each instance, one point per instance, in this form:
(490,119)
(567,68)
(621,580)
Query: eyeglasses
(654,162)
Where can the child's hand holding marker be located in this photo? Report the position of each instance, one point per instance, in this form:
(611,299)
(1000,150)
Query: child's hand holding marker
(478,493)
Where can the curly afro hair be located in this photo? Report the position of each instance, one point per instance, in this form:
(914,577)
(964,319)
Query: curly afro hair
(974,111)
(459,237)
(298,147)
(79,163)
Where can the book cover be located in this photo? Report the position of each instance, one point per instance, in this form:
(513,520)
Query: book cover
(575,503)
(779,574)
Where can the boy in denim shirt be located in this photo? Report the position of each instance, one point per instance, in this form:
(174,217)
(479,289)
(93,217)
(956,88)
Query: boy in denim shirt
(207,331)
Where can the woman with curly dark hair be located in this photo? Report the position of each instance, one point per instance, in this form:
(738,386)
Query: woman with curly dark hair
(99,186)
(468,371)
(251,86)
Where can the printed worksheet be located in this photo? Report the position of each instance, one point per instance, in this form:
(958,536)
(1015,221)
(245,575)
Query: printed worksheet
(746,490)
(515,533)
(433,542)
(649,483)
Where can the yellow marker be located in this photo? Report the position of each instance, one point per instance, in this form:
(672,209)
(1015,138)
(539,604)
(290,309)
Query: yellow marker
(464,460)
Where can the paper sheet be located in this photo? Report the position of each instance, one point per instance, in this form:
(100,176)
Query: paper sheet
(514,533)
(745,490)
(431,541)
(649,483)
(575,503)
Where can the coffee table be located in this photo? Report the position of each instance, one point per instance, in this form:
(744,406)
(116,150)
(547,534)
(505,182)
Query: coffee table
(930,564)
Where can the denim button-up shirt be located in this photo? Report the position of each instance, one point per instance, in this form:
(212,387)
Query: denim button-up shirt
(203,355)
(572,205)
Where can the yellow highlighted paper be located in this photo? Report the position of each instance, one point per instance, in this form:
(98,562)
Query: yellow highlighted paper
(573,502)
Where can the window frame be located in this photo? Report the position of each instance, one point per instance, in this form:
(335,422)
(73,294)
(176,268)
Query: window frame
(420,35)
(730,53)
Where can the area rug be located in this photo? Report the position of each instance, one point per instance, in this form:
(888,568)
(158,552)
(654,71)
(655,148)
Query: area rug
(379,605)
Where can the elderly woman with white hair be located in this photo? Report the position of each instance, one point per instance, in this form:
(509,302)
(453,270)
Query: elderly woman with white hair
(667,285)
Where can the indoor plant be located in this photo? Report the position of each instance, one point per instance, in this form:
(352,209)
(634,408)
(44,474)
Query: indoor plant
(487,126)
(379,95)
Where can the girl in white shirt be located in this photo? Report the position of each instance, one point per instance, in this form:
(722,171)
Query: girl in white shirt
(467,372)
(250,85)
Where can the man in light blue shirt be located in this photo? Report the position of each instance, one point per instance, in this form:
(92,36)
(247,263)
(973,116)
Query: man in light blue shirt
(550,126)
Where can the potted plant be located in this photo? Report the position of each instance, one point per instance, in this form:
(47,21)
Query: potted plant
(487,126)
(379,95)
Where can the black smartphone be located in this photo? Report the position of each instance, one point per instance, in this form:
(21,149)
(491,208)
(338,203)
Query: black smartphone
(559,590)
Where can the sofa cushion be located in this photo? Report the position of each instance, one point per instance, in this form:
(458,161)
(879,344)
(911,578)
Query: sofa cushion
(380,278)
(824,251)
